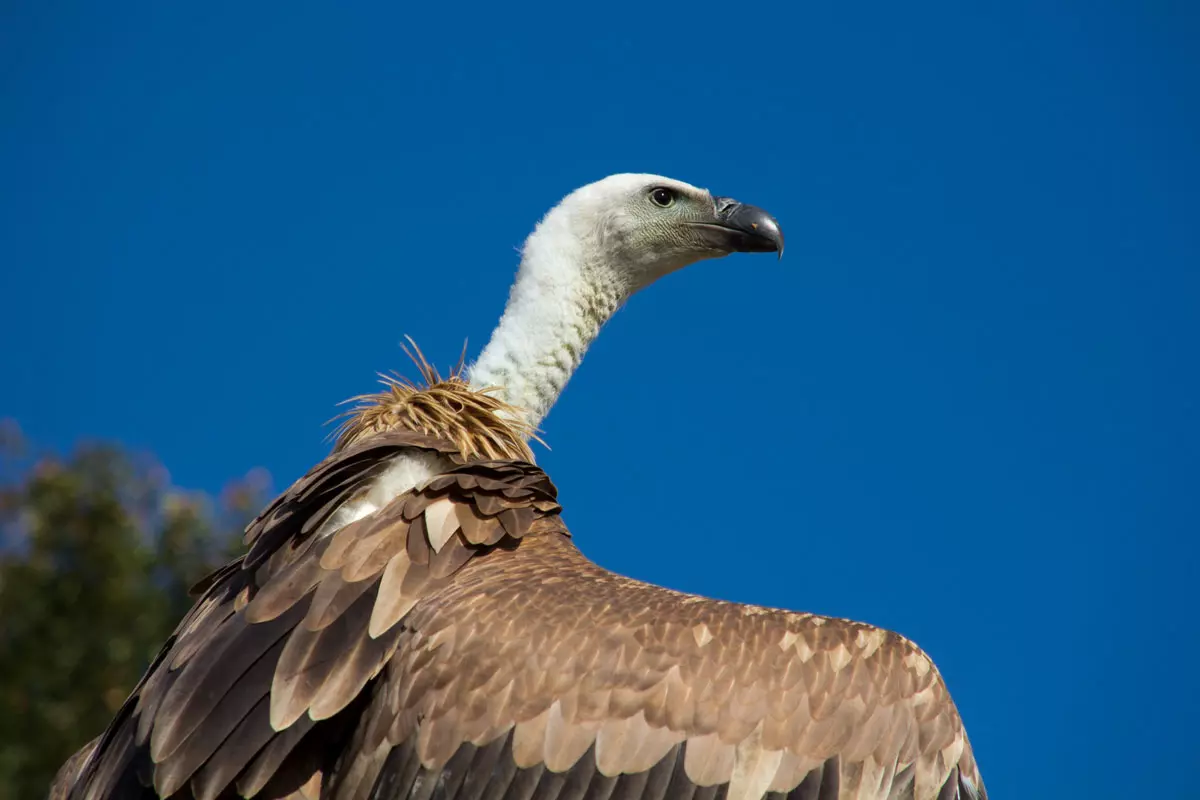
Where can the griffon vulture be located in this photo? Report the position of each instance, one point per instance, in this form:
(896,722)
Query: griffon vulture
(412,619)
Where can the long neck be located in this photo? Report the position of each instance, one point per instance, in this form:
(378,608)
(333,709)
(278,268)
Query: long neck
(557,306)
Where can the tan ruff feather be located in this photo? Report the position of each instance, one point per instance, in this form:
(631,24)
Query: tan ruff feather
(481,425)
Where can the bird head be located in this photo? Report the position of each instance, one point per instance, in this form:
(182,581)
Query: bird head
(637,228)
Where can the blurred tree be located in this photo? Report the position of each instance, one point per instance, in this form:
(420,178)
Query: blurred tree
(97,552)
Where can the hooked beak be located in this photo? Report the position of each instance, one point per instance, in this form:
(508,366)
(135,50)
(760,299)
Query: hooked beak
(742,228)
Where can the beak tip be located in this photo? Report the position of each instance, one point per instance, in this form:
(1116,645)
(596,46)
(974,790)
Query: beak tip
(760,231)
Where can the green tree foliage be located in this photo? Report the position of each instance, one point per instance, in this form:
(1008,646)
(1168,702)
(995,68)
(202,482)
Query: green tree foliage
(97,552)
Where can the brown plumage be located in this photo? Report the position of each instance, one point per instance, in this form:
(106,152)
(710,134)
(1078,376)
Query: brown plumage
(479,423)
(455,644)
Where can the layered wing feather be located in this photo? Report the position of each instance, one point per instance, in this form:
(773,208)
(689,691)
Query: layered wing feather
(261,685)
(456,644)
(590,684)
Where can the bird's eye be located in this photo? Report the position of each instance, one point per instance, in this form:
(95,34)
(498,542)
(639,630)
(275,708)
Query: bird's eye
(662,197)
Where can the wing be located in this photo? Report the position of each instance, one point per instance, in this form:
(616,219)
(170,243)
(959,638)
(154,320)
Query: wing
(261,685)
(537,674)
(455,644)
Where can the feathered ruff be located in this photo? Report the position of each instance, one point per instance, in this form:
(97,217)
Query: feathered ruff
(480,424)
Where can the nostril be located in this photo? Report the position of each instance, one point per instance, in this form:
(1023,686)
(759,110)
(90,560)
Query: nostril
(723,203)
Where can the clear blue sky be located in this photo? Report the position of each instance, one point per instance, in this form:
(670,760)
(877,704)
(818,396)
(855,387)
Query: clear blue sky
(969,396)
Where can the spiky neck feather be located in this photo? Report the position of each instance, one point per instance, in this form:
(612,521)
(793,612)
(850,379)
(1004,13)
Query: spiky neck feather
(564,293)
(479,423)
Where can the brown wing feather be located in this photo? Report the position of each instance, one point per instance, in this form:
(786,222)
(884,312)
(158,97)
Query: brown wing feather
(594,682)
(262,684)
(68,773)
(456,643)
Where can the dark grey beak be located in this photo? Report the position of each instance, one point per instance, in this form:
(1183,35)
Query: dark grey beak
(743,228)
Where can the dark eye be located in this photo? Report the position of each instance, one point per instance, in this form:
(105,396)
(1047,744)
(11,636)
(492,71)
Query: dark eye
(663,197)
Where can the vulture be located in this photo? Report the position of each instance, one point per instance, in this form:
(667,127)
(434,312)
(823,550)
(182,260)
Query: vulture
(411,619)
